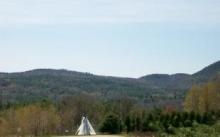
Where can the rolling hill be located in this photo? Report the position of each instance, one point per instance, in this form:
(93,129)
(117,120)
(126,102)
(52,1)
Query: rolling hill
(49,83)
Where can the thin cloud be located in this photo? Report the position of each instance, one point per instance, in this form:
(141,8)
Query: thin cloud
(14,12)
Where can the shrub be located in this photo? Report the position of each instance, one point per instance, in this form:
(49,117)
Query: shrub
(153,127)
(198,118)
(176,122)
(170,130)
(111,124)
(128,124)
(188,123)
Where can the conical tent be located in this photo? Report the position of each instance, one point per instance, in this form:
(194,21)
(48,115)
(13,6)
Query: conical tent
(85,128)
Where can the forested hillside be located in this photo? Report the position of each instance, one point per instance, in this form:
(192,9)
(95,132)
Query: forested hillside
(198,118)
(53,84)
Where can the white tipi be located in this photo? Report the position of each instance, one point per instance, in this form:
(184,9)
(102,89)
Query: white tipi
(85,128)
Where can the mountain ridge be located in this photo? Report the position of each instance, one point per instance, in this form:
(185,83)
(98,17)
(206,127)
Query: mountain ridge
(53,84)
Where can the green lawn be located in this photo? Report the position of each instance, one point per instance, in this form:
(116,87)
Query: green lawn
(94,136)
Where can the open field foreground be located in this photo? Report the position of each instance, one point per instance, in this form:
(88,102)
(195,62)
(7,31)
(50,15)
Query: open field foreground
(95,136)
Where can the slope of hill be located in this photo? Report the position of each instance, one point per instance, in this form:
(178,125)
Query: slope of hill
(49,83)
(175,81)
(208,72)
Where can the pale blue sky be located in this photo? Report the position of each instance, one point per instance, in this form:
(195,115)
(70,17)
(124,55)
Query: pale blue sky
(128,38)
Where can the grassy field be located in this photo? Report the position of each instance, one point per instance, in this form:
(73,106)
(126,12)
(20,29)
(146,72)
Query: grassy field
(95,136)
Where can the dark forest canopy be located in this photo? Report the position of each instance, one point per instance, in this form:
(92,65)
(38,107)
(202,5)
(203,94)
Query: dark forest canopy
(52,84)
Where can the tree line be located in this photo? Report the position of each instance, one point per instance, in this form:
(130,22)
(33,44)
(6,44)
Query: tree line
(201,106)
